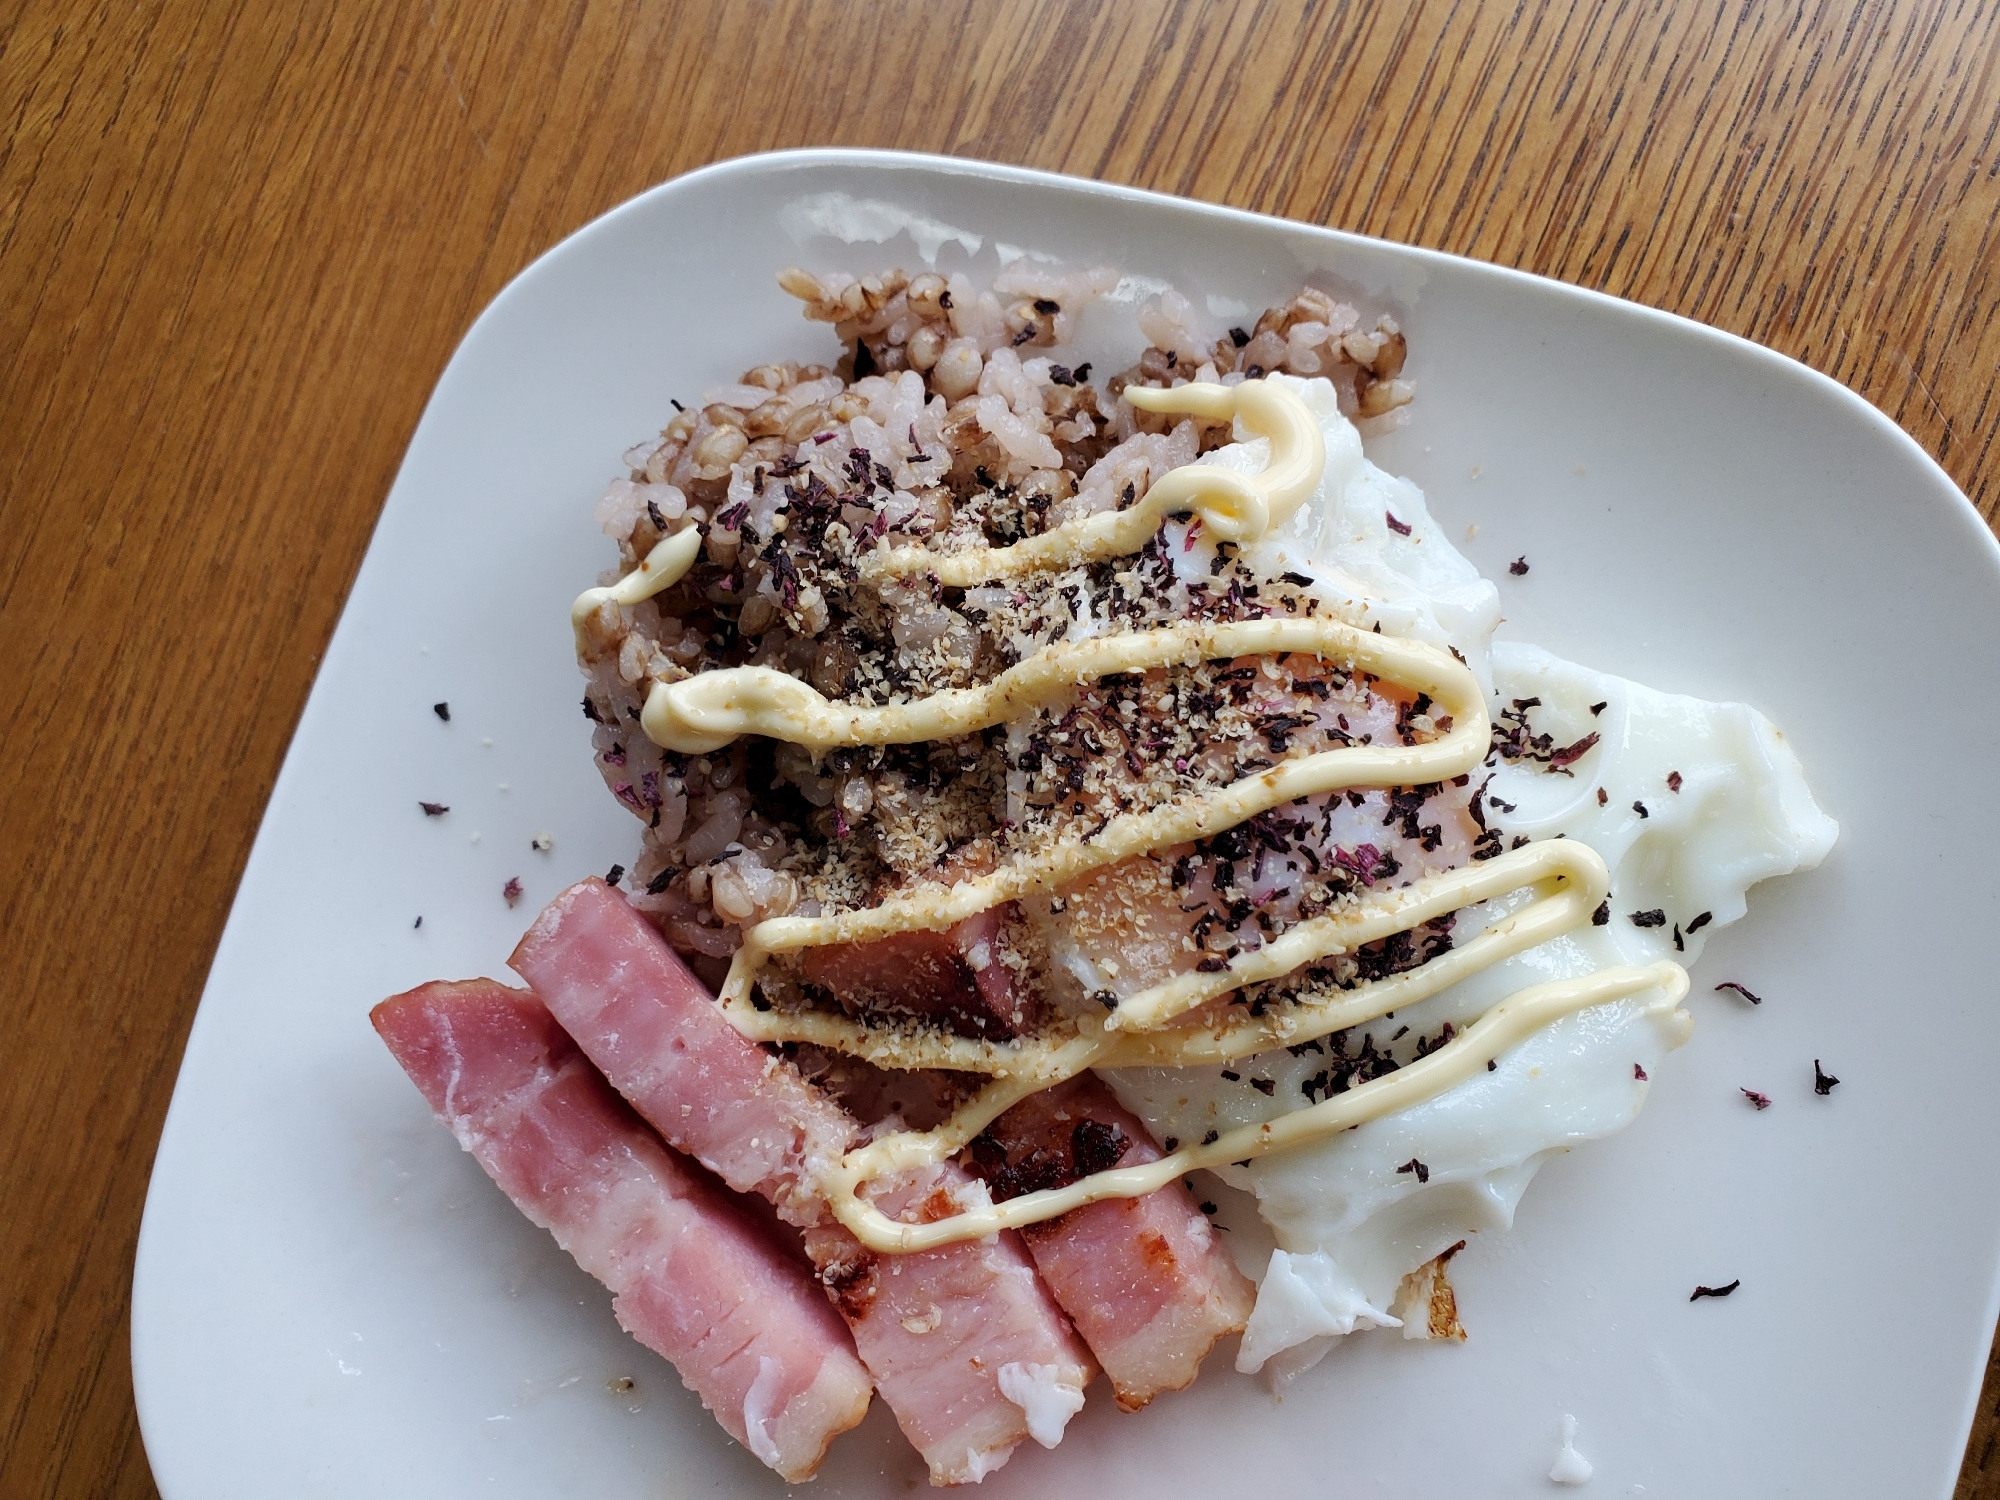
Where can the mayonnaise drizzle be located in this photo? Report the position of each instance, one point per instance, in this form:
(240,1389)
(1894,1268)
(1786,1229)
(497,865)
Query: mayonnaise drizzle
(662,568)
(1570,875)
(1234,507)
(704,713)
(701,714)
(1506,1025)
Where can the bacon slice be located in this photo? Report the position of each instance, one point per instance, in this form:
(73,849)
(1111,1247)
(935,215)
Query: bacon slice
(936,1328)
(694,1277)
(941,1327)
(956,978)
(1148,1283)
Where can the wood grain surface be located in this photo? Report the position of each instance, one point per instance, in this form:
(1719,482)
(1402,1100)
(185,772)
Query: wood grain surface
(238,243)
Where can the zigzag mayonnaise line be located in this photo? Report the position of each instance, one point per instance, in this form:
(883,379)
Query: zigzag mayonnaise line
(700,715)
(1234,507)
(1575,870)
(1506,1025)
(704,713)
(1460,751)
(1581,879)
(1020,1069)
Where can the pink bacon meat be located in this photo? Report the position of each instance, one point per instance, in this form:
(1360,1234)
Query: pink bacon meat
(695,1278)
(938,1329)
(1148,1283)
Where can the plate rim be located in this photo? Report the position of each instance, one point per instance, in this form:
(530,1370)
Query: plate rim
(1851,403)
(788,158)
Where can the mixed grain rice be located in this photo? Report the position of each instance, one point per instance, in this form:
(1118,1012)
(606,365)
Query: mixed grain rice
(947,422)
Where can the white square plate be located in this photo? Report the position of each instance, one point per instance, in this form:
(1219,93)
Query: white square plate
(330,1299)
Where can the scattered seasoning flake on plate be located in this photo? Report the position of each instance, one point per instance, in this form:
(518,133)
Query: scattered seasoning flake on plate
(442,710)
(1823,1081)
(1518,567)
(1598,708)
(1602,915)
(1639,1072)
(1640,809)
(1700,922)
(512,889)
(1653,918)
(542,843)
(613,875)
(1762,1101)
(418,923)
(1730,984)
(1570,754)
(1673,781)
(1715,1291)
(1602,796)
(1413,1165)
(434,809)
(1401,528)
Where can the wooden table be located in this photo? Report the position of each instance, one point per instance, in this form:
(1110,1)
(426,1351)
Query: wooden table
(238,243)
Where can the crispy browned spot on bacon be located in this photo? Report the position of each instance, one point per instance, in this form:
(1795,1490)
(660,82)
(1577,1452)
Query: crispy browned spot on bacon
(1156,1252)
(850,1281)
(959,978)
(1150,1286)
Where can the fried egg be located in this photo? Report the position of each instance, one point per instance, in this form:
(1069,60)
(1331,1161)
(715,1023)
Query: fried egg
(1689,803)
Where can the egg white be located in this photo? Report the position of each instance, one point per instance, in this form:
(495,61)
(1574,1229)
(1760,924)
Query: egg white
(1348,1225)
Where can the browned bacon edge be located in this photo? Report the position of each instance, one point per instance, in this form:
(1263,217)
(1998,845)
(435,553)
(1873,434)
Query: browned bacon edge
(1147,1281)
(957,978)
